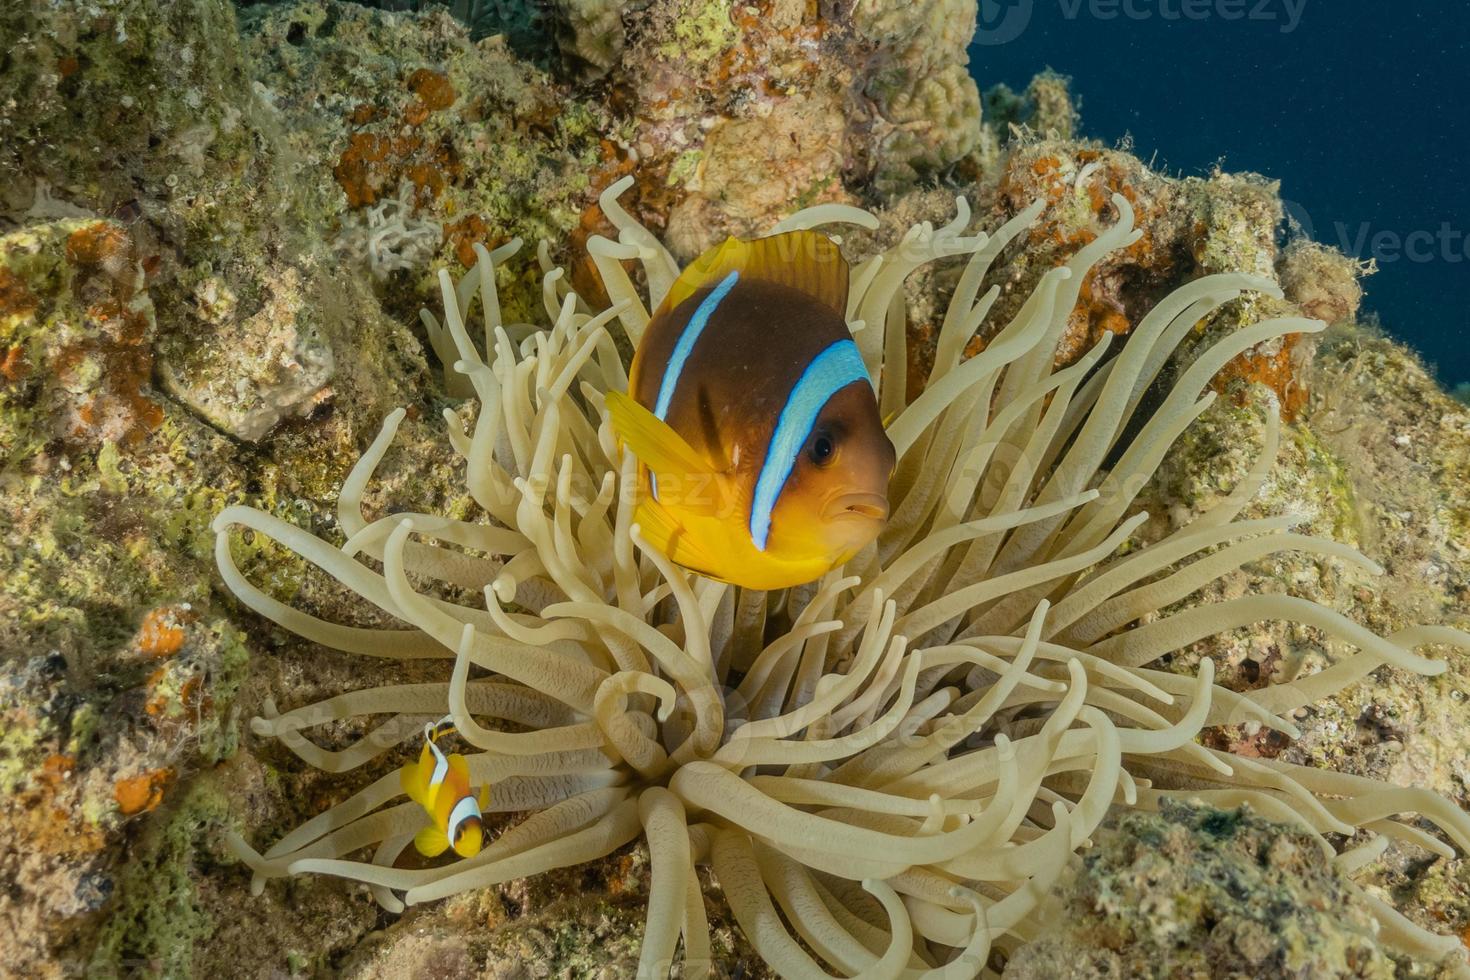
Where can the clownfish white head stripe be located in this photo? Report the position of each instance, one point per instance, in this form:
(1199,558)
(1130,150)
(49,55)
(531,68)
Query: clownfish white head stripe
(467,808)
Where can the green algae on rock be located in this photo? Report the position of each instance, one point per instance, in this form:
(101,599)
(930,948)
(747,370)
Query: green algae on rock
(121,675)
(158,920)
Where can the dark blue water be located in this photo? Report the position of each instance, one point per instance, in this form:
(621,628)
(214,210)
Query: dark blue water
(1361,108)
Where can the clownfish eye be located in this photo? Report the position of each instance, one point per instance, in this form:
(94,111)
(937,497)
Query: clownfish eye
(822,449)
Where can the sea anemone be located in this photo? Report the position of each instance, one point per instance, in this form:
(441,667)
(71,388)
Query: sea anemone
(888,769)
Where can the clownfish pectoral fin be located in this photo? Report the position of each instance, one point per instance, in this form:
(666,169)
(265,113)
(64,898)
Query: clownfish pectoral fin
(662,531)
(484,799)
(431,841)
(805,260)
(679,468)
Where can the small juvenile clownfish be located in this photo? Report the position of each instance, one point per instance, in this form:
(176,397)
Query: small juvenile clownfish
(763,455)
(441,785)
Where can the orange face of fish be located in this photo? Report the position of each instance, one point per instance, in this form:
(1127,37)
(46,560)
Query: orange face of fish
(835,500)
(755,415)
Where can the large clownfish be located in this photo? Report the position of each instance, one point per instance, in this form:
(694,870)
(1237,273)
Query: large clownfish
(764,457)
(441,785)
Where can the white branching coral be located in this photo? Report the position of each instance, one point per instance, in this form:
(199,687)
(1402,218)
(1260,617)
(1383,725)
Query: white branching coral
(392,236)
(886,770)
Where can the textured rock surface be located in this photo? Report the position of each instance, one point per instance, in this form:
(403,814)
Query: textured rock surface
(567,923)
(1195,891)
(145,114)
(216,229)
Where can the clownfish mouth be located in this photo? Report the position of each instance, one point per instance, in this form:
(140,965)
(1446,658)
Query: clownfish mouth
(872,506)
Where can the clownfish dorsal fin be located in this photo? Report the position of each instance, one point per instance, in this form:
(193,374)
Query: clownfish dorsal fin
(805,260)
(413,777)
(459,767)
(408,781)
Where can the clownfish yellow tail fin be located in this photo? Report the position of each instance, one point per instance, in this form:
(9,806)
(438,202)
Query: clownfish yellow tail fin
(431,841)
(805,260)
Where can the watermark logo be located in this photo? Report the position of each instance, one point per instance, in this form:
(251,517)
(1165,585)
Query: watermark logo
(1286,15)
(1421,246)
(1299,222)
(1366,240)
(1002,21)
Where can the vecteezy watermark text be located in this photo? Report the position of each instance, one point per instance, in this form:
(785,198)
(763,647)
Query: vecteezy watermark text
(1285,13)
(1002,21)
(1446,243)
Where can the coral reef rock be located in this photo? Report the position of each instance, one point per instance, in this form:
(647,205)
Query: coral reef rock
(1196,891)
